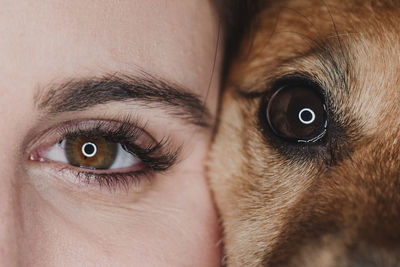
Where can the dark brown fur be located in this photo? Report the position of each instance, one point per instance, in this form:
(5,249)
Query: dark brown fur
(341,207)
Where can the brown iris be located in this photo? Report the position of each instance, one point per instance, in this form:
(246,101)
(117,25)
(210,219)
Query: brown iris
(91,152)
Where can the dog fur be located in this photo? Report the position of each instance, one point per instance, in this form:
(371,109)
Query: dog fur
(280,206)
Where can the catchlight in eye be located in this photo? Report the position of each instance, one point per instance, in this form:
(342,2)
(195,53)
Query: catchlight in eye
(89,149)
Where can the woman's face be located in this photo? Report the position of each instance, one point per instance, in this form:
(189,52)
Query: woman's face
(106,112)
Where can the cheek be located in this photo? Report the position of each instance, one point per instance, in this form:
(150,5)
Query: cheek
(225,160)
(171,221)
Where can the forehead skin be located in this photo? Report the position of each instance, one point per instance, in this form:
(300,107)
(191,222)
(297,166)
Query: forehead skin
(262,187)
(90,37)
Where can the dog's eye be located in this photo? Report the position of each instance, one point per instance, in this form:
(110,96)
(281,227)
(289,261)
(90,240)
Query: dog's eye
(296,112)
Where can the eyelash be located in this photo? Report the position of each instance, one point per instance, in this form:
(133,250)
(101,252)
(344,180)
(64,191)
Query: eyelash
(157,157)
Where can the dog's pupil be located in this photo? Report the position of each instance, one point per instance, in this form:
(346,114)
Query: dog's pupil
(297,113)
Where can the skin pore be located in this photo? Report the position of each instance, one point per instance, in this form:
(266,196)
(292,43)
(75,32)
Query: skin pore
(58,59)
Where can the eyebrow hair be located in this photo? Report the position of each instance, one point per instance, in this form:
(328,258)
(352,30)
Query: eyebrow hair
(81,94)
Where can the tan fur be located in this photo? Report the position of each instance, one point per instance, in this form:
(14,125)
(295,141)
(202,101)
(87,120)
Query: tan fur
(276,210)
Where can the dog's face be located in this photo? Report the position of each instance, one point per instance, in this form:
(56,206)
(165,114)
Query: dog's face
(305,167)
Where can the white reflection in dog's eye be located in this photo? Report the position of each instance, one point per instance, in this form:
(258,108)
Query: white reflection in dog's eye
(306,116)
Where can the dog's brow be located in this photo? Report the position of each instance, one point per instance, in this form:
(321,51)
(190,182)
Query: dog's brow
(81,94)
(333,62)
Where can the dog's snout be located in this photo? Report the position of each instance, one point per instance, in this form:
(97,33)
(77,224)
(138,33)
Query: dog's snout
(338,251)
(349,217)
(373,259)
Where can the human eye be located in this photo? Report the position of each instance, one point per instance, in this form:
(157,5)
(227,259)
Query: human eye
(106,152)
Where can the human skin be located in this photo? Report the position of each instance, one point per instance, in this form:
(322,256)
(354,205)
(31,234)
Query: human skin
(51,217)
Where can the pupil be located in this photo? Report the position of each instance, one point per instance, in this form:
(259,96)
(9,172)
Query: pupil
(306,116)
(89,149)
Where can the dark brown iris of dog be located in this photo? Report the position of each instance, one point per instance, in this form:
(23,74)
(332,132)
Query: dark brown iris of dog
(305,166)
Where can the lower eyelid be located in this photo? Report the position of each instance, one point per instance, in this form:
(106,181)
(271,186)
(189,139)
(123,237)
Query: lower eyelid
(83,180)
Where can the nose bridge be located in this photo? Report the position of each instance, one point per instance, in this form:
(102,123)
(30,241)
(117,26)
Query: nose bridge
(355,211)
(9,195)
(9,210)
(8,223)
(15,120)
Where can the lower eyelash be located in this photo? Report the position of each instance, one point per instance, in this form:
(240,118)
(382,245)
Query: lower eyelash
(112,181)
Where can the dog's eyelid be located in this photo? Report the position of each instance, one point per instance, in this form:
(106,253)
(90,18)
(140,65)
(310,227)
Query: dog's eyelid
(271,83)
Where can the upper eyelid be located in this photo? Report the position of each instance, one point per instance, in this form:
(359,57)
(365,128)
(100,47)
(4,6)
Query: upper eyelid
(126,126)
(273,81)
(95,126)
(62,127)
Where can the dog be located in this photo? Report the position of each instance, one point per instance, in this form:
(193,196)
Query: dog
(305,163)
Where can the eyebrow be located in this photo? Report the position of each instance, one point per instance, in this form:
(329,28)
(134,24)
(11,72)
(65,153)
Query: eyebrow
(81,94)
